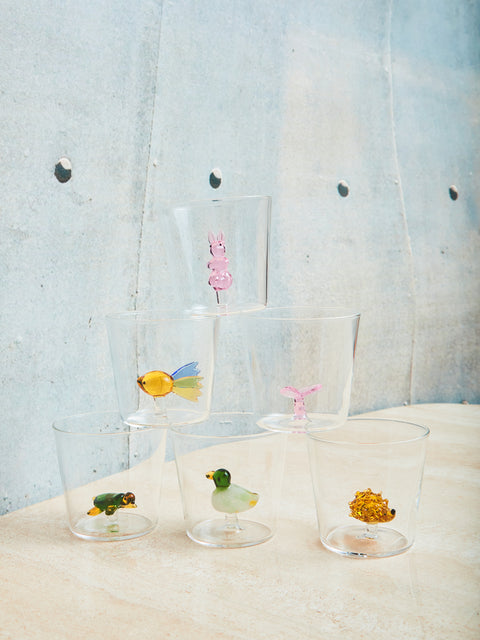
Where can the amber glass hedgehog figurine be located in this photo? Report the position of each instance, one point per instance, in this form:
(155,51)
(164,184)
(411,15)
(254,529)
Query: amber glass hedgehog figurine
(370,507)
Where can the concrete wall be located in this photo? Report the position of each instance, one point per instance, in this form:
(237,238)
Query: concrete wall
(287,99)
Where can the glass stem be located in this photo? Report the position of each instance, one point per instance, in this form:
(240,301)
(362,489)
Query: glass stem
(371,531)
(160,407)
(113,525)
(231,522)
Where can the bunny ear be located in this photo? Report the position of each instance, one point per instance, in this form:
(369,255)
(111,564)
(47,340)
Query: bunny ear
(211,237)
(220,237)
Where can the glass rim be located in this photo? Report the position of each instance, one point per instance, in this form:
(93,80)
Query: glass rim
(182,429)
(162,315)
(305,312)
(316,434)
(56,425)
(211,201)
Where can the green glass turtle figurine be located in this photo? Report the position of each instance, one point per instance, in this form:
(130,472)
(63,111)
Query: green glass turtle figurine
(228,497)
(110,502)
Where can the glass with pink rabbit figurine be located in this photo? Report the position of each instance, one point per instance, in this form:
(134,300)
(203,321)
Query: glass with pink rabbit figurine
(301,365)
(220,248)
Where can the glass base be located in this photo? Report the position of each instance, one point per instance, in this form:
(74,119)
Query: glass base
(360,541)
(223,308)
(146,418)
(290,424)
(108,528)
(220,533)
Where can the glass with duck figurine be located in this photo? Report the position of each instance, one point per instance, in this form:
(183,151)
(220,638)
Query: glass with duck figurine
(230,474)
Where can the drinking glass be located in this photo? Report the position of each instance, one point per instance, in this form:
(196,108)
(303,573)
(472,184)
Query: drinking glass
(230,475)
(111,475)
(220,249)
(301,365)
(163,365)
(367,478)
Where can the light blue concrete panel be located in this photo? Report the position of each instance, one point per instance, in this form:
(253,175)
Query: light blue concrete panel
(288,100)
(278,101)
(76,81)
(436,113)
(349,251)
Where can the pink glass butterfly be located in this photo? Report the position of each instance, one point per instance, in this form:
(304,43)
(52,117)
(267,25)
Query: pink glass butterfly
(299,395)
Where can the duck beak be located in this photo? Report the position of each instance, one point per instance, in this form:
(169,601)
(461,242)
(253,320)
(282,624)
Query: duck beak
(209,475)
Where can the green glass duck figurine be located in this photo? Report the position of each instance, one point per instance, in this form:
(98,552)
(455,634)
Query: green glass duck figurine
(228,497)
(110,502)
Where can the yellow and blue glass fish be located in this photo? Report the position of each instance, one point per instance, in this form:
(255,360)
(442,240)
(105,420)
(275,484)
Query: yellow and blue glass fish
(184,382)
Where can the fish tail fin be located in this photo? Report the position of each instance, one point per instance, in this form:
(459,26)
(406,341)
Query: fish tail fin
(188,388)
(190,369)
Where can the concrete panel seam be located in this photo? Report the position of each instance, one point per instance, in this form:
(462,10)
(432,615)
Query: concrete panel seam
(401,195)
(148,165)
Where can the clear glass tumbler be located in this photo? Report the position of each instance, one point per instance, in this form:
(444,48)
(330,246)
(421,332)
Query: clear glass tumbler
(301,365)
(367,477)
(230,474)
(111,474)
(163,365)
(220,248)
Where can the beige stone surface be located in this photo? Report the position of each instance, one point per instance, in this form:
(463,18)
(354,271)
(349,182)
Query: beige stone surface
(56,586)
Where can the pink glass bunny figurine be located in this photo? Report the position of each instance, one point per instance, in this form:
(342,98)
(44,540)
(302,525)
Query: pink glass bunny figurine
(298,395)
(220,279)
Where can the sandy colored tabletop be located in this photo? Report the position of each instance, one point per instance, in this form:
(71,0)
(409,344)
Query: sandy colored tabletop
(56,586)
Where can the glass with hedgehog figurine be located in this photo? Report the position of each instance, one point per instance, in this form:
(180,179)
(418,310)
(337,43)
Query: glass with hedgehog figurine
(367,477)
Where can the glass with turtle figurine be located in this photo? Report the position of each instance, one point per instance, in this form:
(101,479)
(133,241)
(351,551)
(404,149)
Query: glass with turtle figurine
(111,475)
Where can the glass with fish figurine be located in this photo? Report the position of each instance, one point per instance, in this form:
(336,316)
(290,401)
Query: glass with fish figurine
(230,474)
(163,365)
(301,365)
(367,478)
(219,248)
(111,475)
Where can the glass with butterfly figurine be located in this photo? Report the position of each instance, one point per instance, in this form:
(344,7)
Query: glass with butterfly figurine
(301,365)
